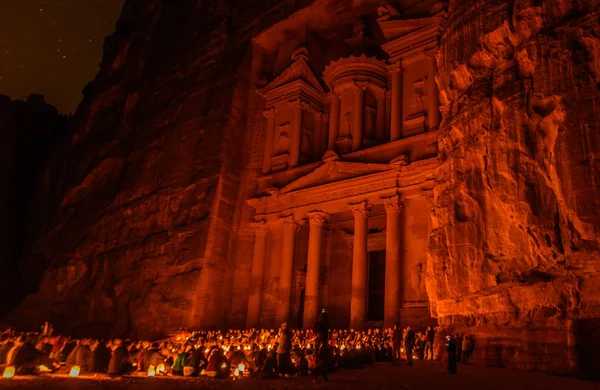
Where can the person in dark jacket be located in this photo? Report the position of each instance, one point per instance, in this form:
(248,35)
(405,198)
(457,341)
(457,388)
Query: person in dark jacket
(119,362)
(429,340)
(451,349)
(409,344)
(397,344)
(83,355)
(100,357)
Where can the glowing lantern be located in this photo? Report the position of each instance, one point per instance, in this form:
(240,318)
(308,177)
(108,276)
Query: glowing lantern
(160,368)
(151,371)
(9,372)
(224,365)
(401,349)
(74,371)
(43,368)
(242,367)
(203,372)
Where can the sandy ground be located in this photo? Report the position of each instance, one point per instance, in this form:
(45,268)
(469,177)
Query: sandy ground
(425,375)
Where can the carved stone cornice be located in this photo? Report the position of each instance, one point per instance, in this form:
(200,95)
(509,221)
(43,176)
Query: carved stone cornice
(317,217)
(359,209)
(393,204)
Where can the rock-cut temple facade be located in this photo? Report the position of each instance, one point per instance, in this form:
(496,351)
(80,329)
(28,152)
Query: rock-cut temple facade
(415,162)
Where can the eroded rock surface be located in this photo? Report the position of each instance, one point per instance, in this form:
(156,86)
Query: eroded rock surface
(514,254)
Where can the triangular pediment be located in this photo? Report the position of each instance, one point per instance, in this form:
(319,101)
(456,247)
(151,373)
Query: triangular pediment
(334,171)
(298,70)
(393,29)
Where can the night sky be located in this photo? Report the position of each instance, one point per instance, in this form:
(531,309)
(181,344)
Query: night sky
(53,47)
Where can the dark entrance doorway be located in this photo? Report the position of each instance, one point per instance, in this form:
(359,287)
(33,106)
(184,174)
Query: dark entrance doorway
(376,286)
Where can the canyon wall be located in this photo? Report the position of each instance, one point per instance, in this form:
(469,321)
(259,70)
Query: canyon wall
(137,245)
(30,131)
(515,249)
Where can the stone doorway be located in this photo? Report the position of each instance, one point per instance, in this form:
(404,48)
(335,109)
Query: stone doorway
(376,293)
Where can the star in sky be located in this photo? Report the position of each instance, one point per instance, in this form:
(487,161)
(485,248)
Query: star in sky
(53,47)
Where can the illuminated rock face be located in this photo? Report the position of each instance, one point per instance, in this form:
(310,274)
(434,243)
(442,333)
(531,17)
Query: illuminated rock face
(248,166)
(514,253)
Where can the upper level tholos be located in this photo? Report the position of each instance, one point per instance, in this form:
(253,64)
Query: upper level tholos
(337,86)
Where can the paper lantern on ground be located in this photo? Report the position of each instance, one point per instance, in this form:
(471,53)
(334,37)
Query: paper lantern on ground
(74,371)
(160,368)
(151,371)
(9,372)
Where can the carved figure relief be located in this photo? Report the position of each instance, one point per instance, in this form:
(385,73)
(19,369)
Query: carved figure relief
(283,140)
(348,127)
(418,102)
(305,148)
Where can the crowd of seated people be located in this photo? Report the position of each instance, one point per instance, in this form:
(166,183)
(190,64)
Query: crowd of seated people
(264,353)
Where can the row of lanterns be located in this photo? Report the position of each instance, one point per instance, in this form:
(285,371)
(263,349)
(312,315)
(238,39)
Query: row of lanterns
(9,371)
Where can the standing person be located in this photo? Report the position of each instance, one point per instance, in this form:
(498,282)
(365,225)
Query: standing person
(396,345)
(466,349)
(451,349)
(284,349)
(430,338)
(409,344)
(459,340)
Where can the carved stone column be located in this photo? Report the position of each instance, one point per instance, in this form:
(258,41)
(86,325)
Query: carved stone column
(257,276)
(284,291)
(358,120)
(393,208)
(334,121)
(433,115)
(311,298)
(358,300)
(296,133)
(396,124)
(269,140)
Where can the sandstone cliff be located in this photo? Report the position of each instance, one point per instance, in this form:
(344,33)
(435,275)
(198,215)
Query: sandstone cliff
(515,251)
(30,131)
(150,181)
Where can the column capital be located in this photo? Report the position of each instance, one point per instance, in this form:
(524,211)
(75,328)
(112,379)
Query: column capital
(289,220)
(431,53)
(359,209)
(393,203)
(428,195)
(269,112)
(396,66)
(260,227)
(317,217)
(299,103)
